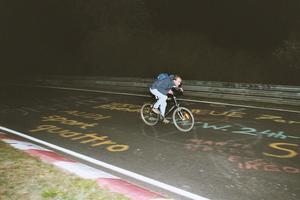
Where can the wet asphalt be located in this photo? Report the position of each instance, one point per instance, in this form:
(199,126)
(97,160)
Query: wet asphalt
(232,153)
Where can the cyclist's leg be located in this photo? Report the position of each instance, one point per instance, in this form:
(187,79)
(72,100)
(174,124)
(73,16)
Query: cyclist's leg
(161,103)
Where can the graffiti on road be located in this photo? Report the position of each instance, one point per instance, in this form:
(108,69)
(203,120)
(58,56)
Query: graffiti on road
(91,138)
(243,154)
(94,139)
(261,165)
(244,130)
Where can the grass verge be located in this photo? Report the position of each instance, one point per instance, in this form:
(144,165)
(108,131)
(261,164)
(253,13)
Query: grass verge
(25,177)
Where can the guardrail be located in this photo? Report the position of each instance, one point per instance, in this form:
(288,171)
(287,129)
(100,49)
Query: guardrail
(279,94)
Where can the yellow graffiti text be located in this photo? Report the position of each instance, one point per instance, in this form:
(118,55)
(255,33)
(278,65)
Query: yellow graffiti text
(277,119)
(289,153)
(94,116)
(64,120)
(120,107)
(216,113)
(93,139)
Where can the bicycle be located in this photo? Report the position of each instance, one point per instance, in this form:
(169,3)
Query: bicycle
(182,117)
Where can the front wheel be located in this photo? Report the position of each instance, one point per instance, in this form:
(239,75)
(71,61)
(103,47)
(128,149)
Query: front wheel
(148,116)
(183,119)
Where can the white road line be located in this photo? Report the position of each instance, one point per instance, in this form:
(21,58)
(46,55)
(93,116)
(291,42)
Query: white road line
(111,167)
(189,100)
(97,91)
(294,137)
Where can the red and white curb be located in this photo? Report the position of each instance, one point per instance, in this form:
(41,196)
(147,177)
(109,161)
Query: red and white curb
(106,180)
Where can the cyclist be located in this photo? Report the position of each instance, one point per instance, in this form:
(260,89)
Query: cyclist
(161,88)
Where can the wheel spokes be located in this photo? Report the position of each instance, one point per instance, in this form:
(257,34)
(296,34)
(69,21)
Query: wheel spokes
(183,119)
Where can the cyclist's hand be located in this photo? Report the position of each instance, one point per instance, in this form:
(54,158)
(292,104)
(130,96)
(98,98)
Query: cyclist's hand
(177,91)
(171,92)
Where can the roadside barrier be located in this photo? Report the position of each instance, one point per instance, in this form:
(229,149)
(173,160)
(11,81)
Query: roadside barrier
(278,94)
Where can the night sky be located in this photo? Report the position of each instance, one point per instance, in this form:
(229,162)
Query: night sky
(248,24)
(253,41)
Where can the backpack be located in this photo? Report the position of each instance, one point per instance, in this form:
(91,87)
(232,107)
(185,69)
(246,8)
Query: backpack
(162,76)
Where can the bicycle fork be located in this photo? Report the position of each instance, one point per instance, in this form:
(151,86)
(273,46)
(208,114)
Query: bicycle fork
(183,116)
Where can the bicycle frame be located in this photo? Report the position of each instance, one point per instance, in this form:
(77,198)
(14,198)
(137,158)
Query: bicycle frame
(176,105)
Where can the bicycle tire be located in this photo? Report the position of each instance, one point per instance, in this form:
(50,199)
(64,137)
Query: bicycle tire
(183,119)
(148,116)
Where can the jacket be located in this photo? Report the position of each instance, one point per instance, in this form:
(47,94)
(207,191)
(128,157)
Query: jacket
(163,86)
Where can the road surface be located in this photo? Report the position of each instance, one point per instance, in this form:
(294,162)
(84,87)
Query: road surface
(233,152)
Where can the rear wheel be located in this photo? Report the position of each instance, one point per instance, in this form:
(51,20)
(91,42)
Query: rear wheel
(148,116)
(183,119)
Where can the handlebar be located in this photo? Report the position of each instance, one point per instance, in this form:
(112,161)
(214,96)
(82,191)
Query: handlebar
(177,91)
